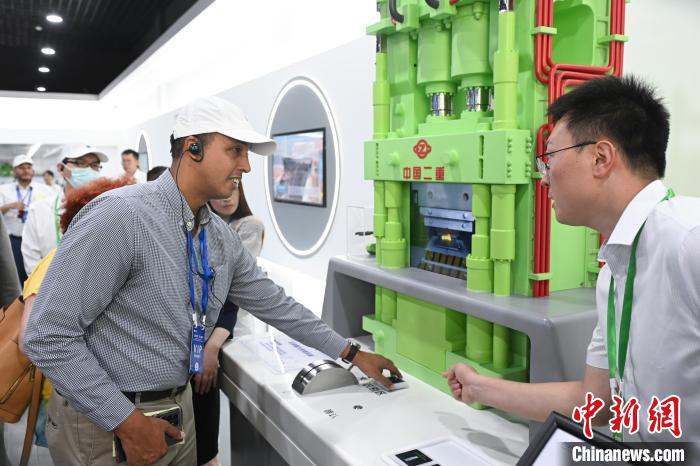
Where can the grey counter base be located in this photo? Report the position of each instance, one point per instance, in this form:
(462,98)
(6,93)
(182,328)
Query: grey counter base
(559,326)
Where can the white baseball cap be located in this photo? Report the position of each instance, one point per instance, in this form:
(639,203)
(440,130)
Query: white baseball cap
(21,159)
(216,115)
(75,151)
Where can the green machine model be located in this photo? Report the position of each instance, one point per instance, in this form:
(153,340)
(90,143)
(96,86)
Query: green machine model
(460,100)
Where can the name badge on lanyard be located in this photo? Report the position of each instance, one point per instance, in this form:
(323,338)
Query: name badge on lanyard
(26,200)
(617,350)
(206,274)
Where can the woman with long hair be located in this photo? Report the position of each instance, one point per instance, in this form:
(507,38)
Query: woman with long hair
(235,211)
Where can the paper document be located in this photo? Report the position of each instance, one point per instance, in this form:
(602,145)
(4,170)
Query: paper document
(281,353)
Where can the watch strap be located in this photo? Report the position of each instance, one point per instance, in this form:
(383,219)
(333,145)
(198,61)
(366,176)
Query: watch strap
(352,352)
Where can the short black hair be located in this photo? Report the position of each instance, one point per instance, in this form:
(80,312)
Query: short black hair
(177,145)
(155,172)
(131,152)
(628,111)
(49,172)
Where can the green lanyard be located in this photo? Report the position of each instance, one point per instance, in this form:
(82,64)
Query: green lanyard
(621,354)
(57,221)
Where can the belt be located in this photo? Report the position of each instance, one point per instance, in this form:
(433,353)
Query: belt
(145,397)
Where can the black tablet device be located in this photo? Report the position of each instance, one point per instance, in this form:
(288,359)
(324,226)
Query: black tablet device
(560,441)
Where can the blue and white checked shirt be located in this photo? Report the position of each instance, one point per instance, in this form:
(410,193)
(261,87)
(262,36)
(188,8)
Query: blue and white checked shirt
(113,312)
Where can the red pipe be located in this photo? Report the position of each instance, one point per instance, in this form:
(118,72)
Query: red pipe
(558,77)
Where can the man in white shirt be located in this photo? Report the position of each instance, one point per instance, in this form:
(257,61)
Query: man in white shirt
(50,181)
(604,161)
(80,164)
(130,164)
(15,200)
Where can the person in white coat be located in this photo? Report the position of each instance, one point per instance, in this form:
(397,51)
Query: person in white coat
(16,198)
(80,164)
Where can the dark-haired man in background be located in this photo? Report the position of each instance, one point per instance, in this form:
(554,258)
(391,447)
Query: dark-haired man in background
(604,163)
(130,164)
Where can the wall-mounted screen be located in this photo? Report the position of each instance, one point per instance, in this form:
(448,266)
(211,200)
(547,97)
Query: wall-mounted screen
(299,167)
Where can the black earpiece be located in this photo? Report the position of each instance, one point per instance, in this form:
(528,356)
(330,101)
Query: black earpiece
(196,150)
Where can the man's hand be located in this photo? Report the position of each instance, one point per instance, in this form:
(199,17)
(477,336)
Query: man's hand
(206,380)
(372,365)
(19,205)
(460,379)
(143,438)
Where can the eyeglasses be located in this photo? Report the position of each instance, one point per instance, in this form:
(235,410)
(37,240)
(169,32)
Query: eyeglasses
(97,166)
(543,167)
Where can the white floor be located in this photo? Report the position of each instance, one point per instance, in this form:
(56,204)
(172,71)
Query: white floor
(14,436)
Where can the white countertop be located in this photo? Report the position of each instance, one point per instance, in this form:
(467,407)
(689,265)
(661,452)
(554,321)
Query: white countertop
(361,426)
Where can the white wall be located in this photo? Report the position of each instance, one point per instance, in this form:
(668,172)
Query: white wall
(345,75)
(662,49)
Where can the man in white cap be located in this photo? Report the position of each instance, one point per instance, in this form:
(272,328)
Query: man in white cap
(15,200)
(80,164)
(160,265)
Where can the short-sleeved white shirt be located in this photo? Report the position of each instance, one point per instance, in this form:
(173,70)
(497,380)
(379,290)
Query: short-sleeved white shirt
(8,193)
(139,176)
(664,344)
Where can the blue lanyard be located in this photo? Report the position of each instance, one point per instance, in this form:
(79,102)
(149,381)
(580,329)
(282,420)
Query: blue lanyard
(206,273)
(27,196)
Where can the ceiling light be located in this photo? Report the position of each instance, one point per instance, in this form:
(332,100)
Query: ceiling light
(54,19)
(48,51)
(41,89)
(44,69)
(38,28)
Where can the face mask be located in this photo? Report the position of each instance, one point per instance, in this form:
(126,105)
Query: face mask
(82,176)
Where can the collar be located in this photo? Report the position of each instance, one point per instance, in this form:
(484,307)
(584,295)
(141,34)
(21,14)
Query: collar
(636,213)
(166,184)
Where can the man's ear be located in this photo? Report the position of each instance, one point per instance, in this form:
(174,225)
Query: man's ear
(61,168)
(605,158)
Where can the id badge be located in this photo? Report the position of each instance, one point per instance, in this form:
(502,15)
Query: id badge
(197,349)
(616,387)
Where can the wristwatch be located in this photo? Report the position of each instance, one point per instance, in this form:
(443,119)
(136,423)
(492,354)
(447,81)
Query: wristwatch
(352,352)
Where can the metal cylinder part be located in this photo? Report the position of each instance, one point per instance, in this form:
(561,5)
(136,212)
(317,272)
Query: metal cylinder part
(479,99)
(506,5)
(474,99)
(441,104)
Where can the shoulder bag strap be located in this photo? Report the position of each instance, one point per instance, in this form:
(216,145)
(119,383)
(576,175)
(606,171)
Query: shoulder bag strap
(32,418)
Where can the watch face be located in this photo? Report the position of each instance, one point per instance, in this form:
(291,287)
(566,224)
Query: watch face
(354,348)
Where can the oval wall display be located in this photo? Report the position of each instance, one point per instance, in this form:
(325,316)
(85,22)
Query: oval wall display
(302,179)
(143,147)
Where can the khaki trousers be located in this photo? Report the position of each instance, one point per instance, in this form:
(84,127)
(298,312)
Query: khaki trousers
(74,440)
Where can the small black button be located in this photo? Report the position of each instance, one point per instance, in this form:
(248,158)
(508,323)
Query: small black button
(413,457)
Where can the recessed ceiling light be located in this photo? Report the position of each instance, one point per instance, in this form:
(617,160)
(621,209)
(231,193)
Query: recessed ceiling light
(38,28)
(44,69)
(48,51)
(54,19)
(41,89)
